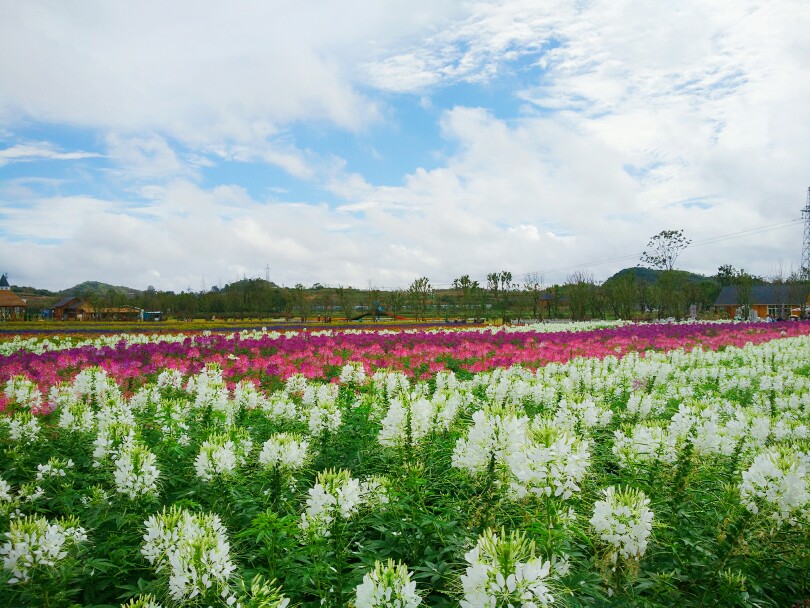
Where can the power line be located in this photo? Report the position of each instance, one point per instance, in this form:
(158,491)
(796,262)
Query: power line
(750,231)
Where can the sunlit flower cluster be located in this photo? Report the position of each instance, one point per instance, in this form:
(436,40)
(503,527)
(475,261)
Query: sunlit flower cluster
(34,543)
(321,408)
(337,496)
(777,486)
(353,372)
(221,454)
(552,462)
(388,585)
(23,393)
(191,551)
(502,570)
(496,437)
(623,520)
(136,473)
(286,451)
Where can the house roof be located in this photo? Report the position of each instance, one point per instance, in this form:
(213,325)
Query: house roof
(9,299)
(768,294)
(547,296)
(61,303)
(3,281)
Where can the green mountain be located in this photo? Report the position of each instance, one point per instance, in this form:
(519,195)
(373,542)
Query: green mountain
(650,275)
(88,289)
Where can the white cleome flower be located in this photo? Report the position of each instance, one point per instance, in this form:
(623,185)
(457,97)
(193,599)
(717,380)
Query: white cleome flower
(337,496)
(5,491)
(353,372)
(410,418)
(642,444)
(55,467)
(389,585)
(777,484)
(34,543)
(552,463)
(623,522)
(191,550)
(24,393)
(24,428)
(220,455)
(321,409)
(135,472)
(287,451)
(496,436)
(503,571)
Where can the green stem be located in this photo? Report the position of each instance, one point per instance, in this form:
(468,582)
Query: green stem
(487,493)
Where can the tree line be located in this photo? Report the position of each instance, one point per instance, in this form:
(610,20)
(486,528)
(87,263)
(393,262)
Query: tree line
(655,289)
(628,295)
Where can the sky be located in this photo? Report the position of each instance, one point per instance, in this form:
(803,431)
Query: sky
(188,144)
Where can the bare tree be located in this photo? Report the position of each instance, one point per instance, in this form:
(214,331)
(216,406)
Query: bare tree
(345,299)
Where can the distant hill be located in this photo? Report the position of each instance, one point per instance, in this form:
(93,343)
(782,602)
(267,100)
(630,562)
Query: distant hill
(650,275)
(95,288)
(23,291)
(248,284)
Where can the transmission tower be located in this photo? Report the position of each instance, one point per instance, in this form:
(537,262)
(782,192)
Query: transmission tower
(806,243)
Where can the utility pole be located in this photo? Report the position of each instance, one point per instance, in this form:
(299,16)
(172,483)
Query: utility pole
(267,273)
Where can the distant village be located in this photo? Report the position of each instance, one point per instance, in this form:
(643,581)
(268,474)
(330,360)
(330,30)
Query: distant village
(70,308)
(634,293)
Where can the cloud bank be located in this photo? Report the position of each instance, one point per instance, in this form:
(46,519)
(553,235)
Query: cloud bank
(186,145)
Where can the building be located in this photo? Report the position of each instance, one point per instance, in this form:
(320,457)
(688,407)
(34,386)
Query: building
(12,306)
(72,308)
(118,313)
(778,301)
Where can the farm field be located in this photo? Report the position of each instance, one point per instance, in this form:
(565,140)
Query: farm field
(577,465)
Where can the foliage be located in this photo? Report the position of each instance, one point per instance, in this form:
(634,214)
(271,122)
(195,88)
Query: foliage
(664,248)
(419,294)
(669,466)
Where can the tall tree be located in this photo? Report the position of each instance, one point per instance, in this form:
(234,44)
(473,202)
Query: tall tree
(466,288)
(725,275)
(345,299)
(579,286)
(500,284)
(533,286)
(744,283)
(664,248)
(394,301)
(420,293)
(670,293)
(621,295)
(301,302)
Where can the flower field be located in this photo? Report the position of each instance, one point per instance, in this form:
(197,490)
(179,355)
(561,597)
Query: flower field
(628,465)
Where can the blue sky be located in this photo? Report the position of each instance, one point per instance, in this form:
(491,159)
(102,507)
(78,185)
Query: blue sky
(178,145)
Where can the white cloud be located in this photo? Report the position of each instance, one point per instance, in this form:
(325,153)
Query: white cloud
(144,157)
(629,110)
(39,151)
(201,73)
